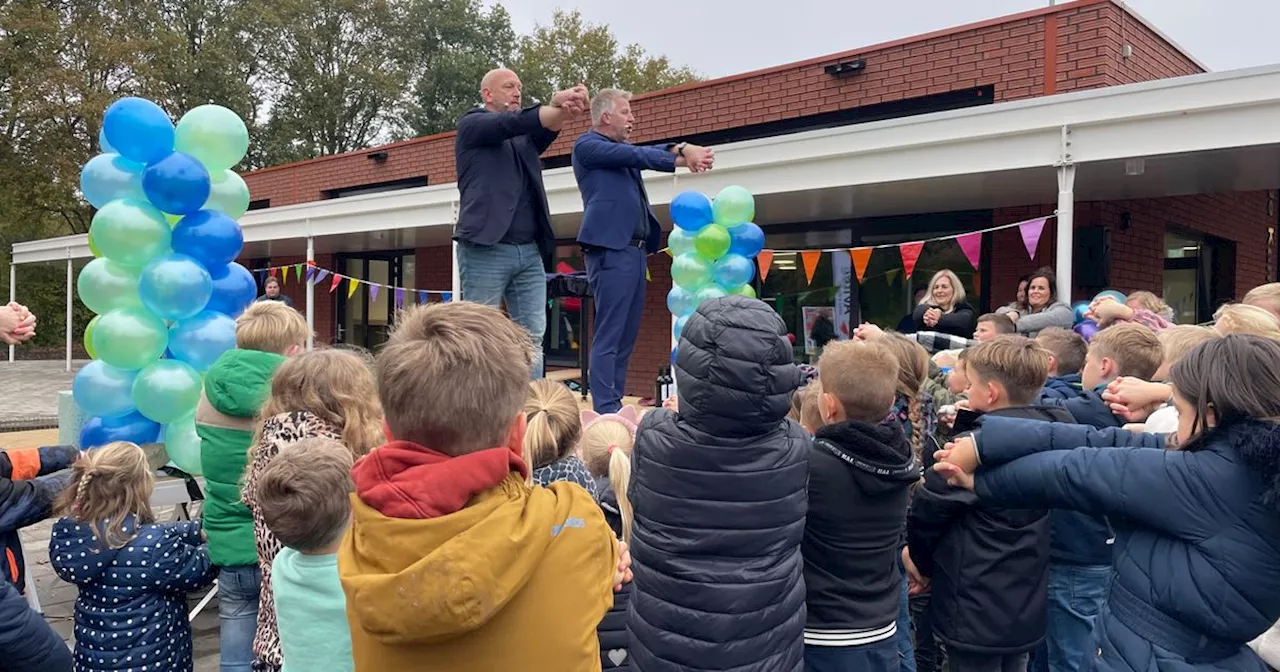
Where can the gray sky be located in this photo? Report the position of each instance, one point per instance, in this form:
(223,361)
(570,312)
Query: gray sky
(724,37)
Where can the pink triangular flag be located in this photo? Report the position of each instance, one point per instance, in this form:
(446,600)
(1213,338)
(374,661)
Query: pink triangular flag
(1031,231)
(971,245)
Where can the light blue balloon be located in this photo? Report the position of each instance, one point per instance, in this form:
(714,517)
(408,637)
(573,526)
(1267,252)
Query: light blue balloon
(709,292)
(690,272)
(103,390)
(138,129)
(680,302)
(746,239)
(680,242)
(678,327)
(733,270)
(1110,294)
(201,340)
(175,287)
(107,177)
(103,145)
(691,210)
(177,184)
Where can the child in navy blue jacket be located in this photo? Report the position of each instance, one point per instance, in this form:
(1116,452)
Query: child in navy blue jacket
(1067,351)
(133,573)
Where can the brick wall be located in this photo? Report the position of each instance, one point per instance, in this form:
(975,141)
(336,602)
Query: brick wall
(1153,56)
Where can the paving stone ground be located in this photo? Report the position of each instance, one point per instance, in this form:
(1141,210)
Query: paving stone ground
(30,391)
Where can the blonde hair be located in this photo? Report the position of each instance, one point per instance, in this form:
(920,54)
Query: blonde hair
(1019,364)
(1149,301)
(958,288)
(861,376)
(1241,318)
(606,450)
(454,376)
(1178,340)
(1265,296)
(335,385)
(553,423)
(913,369)
(810,410)
(108,485)
(304,494)
(1134,348)
(270,326)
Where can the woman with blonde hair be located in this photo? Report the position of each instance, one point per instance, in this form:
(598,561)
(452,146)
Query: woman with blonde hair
(943,308)
(327,394)
(554,428)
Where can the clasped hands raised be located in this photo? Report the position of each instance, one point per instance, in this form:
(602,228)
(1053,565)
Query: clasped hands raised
(17,324)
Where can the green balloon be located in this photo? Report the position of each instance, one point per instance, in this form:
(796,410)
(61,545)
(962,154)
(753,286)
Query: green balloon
(93,247)
(130,232)
(689,272)
(228,195)
(744,290)
(214,135)
(680,242)
(733,205)
(707,293)
(182,443)
(104,286)
(167,391)
(130,338)
(712,242)
(88,337)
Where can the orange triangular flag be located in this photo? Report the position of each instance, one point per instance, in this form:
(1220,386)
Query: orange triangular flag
(910,255)
(861,256)
(352,284)
(764,260)
(810,259)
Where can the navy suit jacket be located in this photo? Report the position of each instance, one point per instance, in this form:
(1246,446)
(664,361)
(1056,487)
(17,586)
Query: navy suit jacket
(487,148)
(613,194)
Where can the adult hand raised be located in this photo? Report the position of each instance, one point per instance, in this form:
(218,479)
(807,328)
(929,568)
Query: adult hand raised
(17,324)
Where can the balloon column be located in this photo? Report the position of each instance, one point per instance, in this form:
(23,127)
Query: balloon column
(164,283)
(713,249)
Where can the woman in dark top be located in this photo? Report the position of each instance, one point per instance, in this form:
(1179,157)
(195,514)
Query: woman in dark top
(943,308)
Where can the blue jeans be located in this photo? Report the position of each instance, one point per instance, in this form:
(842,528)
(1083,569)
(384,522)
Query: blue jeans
(906,644)
(1076,595)
(238,589)
(880,656)
(511,273)
(617,285)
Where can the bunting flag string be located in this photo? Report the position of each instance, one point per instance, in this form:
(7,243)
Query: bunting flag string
(311,273)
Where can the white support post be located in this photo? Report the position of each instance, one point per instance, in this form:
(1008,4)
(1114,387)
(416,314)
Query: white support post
(457,277)
(13,293)
(311,294)
(1066,218)
(69,300)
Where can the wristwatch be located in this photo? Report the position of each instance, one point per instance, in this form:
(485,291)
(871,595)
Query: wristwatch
(679,148)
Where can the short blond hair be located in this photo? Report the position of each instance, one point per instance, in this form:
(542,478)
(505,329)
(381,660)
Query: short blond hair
(863,377)
(810,405)
(1017,363)
(270,326)
(1132,346)
(1178,340)
(1149,301)
(304,494)
(1265,296)
(1067,347)
(1241,318)
(454,376)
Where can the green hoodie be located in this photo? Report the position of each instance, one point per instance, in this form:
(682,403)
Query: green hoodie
(235,388)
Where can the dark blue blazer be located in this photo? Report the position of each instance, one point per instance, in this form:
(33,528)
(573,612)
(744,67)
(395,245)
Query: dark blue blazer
(487,149)
(613,194)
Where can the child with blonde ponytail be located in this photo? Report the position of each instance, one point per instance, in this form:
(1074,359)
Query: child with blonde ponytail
(133,574)
(552,435)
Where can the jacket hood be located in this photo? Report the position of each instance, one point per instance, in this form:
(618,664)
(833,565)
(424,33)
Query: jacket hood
(1258,445)
(734,368)
(405,480)
(239,382)
(878,455)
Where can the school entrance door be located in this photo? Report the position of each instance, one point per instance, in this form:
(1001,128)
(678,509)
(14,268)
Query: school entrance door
(363,322)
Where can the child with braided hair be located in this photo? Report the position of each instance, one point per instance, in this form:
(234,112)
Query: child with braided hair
(133,573)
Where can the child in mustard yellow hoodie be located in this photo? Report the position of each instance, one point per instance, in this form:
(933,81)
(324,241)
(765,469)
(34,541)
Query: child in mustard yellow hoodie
(452,561)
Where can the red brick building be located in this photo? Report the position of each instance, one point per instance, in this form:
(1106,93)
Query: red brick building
(1198,249)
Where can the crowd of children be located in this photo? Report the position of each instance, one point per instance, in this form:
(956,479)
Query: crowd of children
(1059,505)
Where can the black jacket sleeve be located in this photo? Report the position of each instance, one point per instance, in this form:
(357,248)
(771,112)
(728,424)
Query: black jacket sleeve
(491,128)
(958,322)
(934,507)
(27,643)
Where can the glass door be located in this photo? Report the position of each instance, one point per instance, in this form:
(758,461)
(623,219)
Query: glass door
(361,320)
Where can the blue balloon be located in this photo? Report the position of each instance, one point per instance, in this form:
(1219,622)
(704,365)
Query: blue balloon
(680,302)
(673,354)
(103,144)
(174,287)
(233,289)
(138,129)
(691,210)
(746,239)
(733,270)
(201,340)
(177,184)
(678,327)
(1087,329)
(103,390)
(209,237)
(133,428)
(107,177)
(1080,308)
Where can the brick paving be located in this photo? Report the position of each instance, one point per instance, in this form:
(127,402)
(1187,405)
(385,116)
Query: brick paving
(30,395)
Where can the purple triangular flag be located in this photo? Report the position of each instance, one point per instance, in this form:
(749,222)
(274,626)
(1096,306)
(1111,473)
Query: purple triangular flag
(1031,231)
(311,273)
(373,292)
(321,274)
(446,297)
(971,245)
(399,297)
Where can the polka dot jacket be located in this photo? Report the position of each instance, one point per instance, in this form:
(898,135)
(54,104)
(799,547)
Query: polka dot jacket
(131,612)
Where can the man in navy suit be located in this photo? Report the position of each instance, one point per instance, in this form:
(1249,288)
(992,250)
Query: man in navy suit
(618,231)
(505,241)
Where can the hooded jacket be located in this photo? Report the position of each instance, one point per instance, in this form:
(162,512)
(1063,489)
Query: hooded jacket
(1062,387)
(989,563)
(454,564)
(859,486)
(235,388)
(27,643)
(131,609)
(28,486)
(719,496)
(1197,567)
